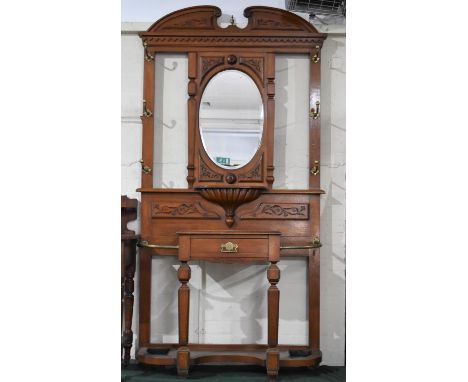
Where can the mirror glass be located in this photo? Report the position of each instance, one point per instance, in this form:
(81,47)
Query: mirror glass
(291,145)
(231,119)
(170,154)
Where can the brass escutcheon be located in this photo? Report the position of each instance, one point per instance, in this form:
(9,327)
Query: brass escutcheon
(229,247)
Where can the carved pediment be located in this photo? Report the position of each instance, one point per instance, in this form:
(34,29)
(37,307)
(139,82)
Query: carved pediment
(205,18)
(269,18)
(191,23)
(266,23)
(201,17)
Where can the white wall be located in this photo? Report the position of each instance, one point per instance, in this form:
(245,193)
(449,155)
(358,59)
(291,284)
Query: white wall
(228,305)
(150,10)
(333,203)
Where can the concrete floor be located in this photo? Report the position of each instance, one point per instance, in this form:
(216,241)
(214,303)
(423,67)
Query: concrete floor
(141,373)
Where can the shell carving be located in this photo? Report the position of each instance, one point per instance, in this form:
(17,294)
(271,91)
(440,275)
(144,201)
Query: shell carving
(230,199)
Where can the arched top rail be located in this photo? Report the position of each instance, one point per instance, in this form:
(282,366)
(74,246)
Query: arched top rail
(200,24)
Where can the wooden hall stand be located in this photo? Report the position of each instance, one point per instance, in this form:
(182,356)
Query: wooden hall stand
(243,218)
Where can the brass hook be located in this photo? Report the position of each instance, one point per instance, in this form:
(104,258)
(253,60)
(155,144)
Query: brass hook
(314,113)
(316,169)
(232,20)
(146,112)
(148,57)
(316,57)
(145,169)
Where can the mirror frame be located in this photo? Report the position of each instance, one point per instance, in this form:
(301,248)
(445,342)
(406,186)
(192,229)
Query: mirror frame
(203,90)
(251,174)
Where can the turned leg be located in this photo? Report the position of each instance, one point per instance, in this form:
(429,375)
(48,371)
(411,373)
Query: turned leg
(129,286)
(183,353)
(122,288)
(272,356)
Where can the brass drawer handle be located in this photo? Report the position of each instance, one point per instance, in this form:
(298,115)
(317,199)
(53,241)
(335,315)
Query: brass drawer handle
(229,247)
(145,244)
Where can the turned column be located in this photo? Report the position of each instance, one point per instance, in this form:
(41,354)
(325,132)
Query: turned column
(183,353)
(272,356)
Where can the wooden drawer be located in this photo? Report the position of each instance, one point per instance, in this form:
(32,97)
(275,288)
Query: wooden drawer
(228,245)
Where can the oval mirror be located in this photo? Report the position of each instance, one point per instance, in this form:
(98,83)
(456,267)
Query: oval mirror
(231,119)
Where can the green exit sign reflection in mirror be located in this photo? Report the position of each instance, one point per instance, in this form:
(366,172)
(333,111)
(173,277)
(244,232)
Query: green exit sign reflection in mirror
(223,161)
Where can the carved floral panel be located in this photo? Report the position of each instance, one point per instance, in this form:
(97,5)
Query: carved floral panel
(206,174)
(254,174)
(255,63)
(208,63)
(181,210)
(287,211)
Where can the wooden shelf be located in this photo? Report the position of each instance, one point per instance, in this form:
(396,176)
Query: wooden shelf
(231,357)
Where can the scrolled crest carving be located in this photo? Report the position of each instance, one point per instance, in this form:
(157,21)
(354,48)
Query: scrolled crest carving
(191,23)
(204,18)
(266,23)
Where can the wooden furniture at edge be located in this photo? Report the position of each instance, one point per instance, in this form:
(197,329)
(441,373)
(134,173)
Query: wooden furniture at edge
(243,218)
(128,242)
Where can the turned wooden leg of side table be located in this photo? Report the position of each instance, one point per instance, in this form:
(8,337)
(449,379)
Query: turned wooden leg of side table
(129,254)
(183,353)
(272,355)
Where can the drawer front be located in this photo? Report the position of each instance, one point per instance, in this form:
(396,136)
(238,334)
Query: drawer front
(231,247)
